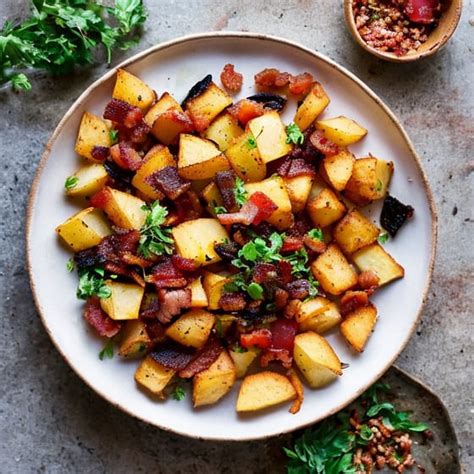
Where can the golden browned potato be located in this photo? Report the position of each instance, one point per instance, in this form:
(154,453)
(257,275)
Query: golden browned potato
(337,169)
(362,185)
(192,329)
(157,158)
(333,271)
(245,159)
(212,196)
(243,360)
(314,103)
(223,130)
(298,189)
(263,390)
(341,130)
(310,308)
(90,179)
(316,359)
(323,321)
(355,231)
(274,187)
(358,326)
(133,90)
(124,209)
(198,295)
(135,339)
(270,135)
(195,239)
(153,376)
(325,208)
(213,284)
(199,158)
(210,385)
(205,107)
(93,131)
(374,258)
(84,229)
(124,302)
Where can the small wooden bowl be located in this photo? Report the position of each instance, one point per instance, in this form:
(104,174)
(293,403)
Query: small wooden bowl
(437,39)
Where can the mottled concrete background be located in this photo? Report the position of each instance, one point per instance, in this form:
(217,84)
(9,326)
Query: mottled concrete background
(51,422)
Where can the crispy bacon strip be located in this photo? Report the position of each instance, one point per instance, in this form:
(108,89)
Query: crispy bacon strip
(232,301)
(231,79)
(352,300)
(100,153)
(204,358)
(280,355)
(172,302)
(172,356)
(245,110)
(299,389)
(123,113)
(290,168)
(323,144)
(225,181)
(168,181)
(125,156)
(99,320)
(245,216)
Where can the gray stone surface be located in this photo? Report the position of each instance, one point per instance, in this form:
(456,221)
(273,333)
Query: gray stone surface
(51,422)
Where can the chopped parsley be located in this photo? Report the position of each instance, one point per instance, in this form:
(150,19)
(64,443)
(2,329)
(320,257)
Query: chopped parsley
(219,210)
(155,238)
(113,134)
(70,265)
(92,283)
(383,237)
(108,351)
(300,269)
(71,182)
(255,291)
(240,193)
(316,234)
(179,393)
(294,134)
(252,143)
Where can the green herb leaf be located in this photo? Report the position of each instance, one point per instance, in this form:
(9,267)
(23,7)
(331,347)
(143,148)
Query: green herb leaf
(294,134)
(255,291)
(219,210)
(316,234)
(71,182)
(154,237)
(20,82)
(179,393)
(108,351)
(383,237)
(113,134)
(219,328)
(240,192)
(238,348)
(92,283)
(70,265)
(252,143)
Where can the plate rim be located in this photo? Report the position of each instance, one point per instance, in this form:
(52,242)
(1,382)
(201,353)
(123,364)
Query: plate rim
(227,35)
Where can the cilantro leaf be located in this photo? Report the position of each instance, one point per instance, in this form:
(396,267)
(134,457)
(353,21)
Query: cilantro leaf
(71,182)
(316,234)
(113,134)
(294,134)
(108,351)
(240,193)
(383,237)
(92,283)
(179,393)
(154,237)
(219,210)
(20,82)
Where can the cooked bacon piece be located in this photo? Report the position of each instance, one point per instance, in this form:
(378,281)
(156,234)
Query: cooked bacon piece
(283,334)
(264,229)
(155,330)
(180,118)
(139,133)
(352,300)
(298,386)
(281,298)
(172,302)
(298,289)
(172,356)
(301,84)
(123,113)
(265,273)
(266,207)
(284,271)
(138,278)
(261,338)
(100,198)
(100,153)
(245,216)
(150,307)
(118,177)
(125,156)
(292,244)
(282,79)
(117,269)
(225,181)
(292,309)
(167,282)
(245,110)
(166,275)
(169,182)
(227,251)
(232,301)
(240,237)
(267,77)
(89,258)
(323,144)
(291,168)
(368,280)
(203,359)
(184,264)
(188,207)
(131,259)
(280,355)
(315,245)
(99,320)
(231,79)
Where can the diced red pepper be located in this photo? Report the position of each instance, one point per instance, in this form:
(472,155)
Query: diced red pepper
(266,207)
(261,338)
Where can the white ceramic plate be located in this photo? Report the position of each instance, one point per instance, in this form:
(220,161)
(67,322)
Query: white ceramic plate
(175,66)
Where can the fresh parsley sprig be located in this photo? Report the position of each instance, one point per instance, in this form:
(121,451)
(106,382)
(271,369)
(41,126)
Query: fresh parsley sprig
(92,283)
(108,350)
(155,238)
(294,134)
(316,234)
(179,393)
(240,193)
(71,182)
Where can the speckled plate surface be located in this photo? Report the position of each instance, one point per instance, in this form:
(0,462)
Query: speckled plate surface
(175,66)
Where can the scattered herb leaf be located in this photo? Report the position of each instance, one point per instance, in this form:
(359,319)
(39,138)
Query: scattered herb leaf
(71,182)
(294,134)
(383,237)
(108,351)
(252,143)
(155,238)
(113,134)
(240,192)
(179,393)
(219,331)
(316,234)
(70,265)
(92,283)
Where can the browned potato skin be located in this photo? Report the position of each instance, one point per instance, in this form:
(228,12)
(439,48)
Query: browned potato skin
(325,208)
(192,329)
(314,103)
(153,376)
(93,131)
(336,170)
(133,90)
(358,326)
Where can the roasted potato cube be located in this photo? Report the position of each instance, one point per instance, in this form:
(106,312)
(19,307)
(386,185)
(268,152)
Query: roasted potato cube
(337,169)
(90,179)
(192,329)
(333,271)
(223,130)
(153,376)
(314,103)
(198,295)
(133,90)
(341,130)
(270,135)
(195,239)
(245,158)
(124,302)
(298,189)
(205,107)
(223,323)
(274,187)
(166,126)
(123,209)
(199,158)
(358,326)
(355,231)
(93,131)
(210,385)
(322,321)
(361,187)
(311,307)
(264,390)
(84,229)
(135,339)
(213,284)
(325,208)
(212,196)
(157,158)
(374,258)
(243,360)
(316,359)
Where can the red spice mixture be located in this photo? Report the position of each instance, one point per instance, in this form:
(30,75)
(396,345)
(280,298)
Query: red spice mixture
(396,26)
